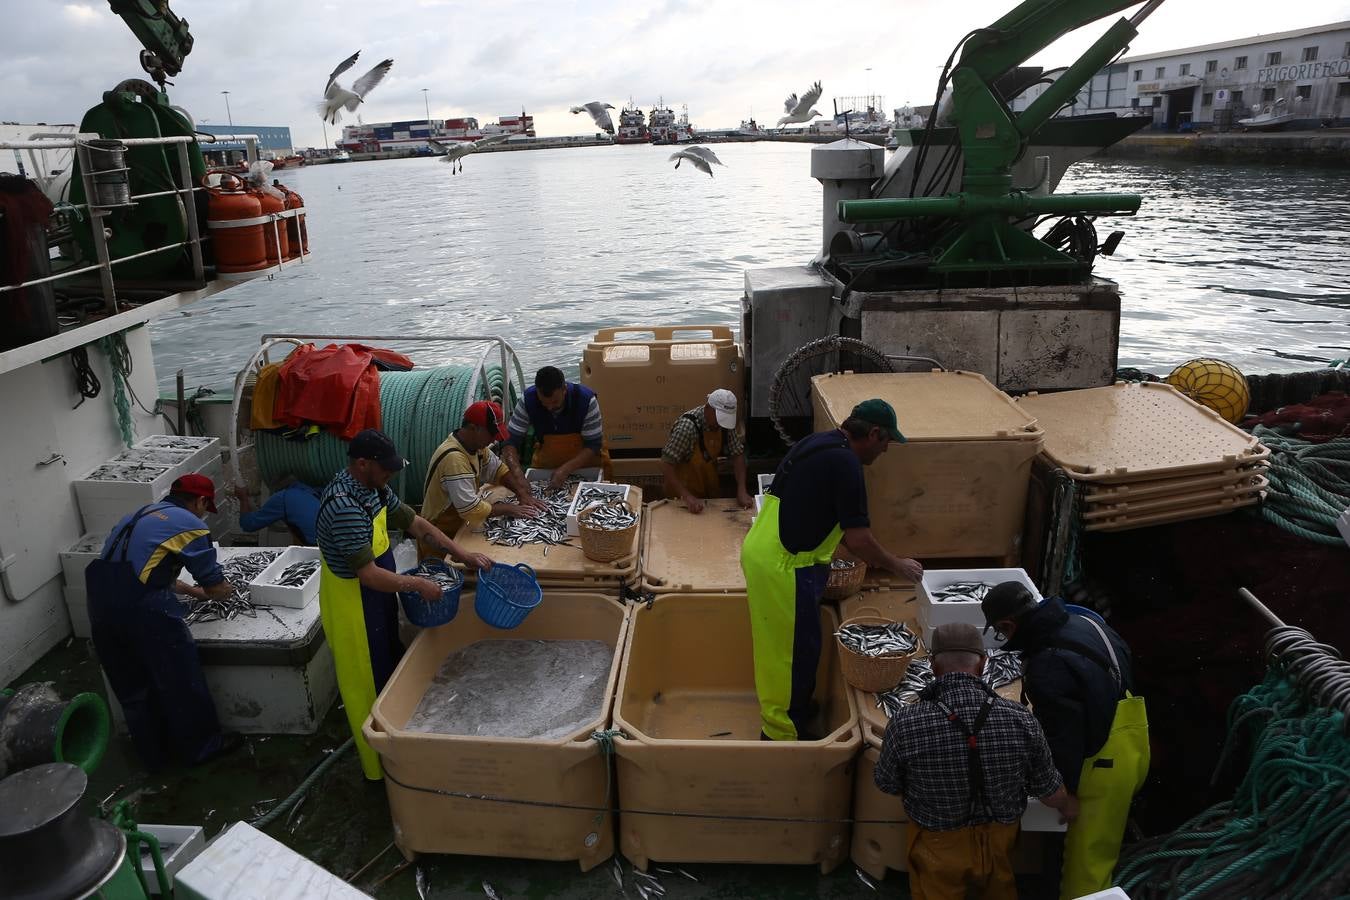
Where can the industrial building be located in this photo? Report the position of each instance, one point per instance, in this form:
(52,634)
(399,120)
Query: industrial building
(413,135)
(273,140)
(1305,73)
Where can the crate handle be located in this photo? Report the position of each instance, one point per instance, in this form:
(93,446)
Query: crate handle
(663,332)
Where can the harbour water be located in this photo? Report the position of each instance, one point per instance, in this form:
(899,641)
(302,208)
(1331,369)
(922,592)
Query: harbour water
(1246,263)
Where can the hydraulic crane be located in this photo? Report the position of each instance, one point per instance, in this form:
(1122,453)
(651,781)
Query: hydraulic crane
(979,239)
(164,36)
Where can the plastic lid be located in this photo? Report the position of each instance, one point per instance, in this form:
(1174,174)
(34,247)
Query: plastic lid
(931,406)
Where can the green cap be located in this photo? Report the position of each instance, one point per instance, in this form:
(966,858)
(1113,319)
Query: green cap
(880,413)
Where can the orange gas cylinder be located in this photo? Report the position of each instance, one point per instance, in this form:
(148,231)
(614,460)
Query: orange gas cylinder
(296,224)
(275,231)
(235,220)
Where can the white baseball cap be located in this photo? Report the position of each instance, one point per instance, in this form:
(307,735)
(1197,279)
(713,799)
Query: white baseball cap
(723,403)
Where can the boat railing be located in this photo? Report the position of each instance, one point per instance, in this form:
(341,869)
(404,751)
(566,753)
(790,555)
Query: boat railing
(96,209)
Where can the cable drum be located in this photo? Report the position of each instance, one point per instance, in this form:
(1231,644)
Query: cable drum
(418,409)
(790,392)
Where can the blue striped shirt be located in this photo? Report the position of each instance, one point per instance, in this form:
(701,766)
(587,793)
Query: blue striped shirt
(347,511)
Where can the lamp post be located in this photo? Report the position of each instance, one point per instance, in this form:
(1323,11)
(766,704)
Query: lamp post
(426,105)
(228,115)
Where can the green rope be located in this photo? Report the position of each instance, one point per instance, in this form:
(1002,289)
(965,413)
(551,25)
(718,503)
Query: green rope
(606,741)
(1309,485)
(324,765)
(1287,829)
(114,346)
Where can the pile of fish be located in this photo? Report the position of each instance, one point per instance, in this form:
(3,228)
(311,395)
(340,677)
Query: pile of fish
(129,471)
(239,571)
(891,639)
(962,592)
(550,527)
(649,887)
(610,517)
(448,579)
(296,574)
(175,442)
(837,563)
(1000,668)
(589,495)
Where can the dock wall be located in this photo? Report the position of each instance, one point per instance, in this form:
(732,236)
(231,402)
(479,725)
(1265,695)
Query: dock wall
(1324,147)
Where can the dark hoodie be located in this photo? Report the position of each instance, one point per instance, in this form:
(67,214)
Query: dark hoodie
(1073,697)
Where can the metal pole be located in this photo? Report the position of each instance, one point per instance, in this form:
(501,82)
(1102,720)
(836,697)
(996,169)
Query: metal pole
(182,404)
(190,213)
(426,105)
(228,114)
(1260,607)
(96,230)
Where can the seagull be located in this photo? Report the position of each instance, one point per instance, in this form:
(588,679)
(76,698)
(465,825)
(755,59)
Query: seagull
(799,111)
(455,152)
(700,158)
(598,114)
(336,97)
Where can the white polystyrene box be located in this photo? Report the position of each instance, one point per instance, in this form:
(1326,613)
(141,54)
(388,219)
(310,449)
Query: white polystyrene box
(765,481)
(1040,817)
(178,846)
(265,593)
(932,613)
(78,557)
(617,490)
(245,864)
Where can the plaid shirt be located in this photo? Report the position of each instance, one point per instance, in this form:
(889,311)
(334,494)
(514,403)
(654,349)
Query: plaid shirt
(684,436)
(924,758)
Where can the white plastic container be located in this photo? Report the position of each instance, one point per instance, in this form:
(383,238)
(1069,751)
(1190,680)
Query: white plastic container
(765,481)
(77,604)
(200,450)
(78,557)
(265,592)
(244,864)
(931,613)
(1040,817)
(619,491)
(103,503)
(178,846)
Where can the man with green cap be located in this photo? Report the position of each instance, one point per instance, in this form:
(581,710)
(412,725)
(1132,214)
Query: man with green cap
(818,499)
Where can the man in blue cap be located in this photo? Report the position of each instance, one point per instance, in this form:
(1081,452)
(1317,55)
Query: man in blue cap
(818,499)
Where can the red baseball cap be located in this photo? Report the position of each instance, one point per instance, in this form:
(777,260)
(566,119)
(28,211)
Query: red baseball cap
(196,485)
(488,415)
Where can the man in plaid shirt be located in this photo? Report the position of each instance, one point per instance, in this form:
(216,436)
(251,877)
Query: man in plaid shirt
(965,761)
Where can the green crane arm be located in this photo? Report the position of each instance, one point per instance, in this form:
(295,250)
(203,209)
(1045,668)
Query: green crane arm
(164,36)
(1030,28)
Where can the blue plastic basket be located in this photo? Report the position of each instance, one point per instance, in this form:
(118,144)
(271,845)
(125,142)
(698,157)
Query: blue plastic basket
(506,594)
(429,615)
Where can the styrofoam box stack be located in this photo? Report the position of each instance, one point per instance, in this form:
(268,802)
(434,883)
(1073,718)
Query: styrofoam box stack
(619,491)
(140,475)
(265,592)
(932,613)
(765,481)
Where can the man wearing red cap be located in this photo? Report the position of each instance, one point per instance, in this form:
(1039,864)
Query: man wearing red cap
(462,466)
(137,624)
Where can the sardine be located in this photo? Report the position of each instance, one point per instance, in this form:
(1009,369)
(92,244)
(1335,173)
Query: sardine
(491,893)
(1001,667)
(296,574)
(239,571)
(893,639)
(961,592)
(550,527)
(865,879)
(842,564)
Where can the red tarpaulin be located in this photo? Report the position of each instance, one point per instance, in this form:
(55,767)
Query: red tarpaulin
(337,387)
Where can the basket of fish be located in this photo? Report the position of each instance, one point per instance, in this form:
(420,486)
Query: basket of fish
(291,580)
(874,652)
(846,578)
(506,595)
(430,613)
(608,530)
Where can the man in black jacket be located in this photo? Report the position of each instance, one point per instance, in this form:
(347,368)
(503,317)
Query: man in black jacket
(1077,674)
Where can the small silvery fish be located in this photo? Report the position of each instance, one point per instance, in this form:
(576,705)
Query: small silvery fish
(893,639)
(961,592)
(843,564)
(296,574)
(1001,667)
(491,893)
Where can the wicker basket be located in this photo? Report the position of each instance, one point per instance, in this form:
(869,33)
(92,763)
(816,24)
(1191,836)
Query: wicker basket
(871,673)
(601,545)
(844,583)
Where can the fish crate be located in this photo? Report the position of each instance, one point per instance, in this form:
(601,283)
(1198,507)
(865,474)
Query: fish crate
(568,770)
(641,472)
(107,493)
(690,724)
(79,555)
(684,552)
(958,488)
(243,862)
(880,834)
(77,605)
(614,491)
(200,450)
(765,481)
(645,384)
(266,591)
(932,613)
(178,846)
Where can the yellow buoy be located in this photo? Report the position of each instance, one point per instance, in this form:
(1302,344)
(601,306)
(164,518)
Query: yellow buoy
(1215,384)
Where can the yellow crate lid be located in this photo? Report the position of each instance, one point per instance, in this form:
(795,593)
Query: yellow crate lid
(1102,492)
(1122,507)
(1127,432)
(687,553)
(930,406)
(1213,508)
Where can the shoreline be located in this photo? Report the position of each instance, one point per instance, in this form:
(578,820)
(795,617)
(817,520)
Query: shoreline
(1326,147)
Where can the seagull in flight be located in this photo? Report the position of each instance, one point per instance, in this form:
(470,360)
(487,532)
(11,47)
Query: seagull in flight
(799,110)
(700,158)
(598,114)
(455,151)
(336,97)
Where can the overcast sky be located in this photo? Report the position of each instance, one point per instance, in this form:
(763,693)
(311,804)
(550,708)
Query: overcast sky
(726,59)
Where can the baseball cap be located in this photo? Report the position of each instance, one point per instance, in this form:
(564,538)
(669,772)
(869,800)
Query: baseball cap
(375,444)
(723,403)
(196,484)
(1007,600)
(956,636)
(880,413)
(488,415)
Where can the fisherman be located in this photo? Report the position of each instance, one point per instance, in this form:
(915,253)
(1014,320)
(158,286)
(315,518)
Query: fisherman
(697,439)
(1078,674)
(965,760)
(818,498)
(357,579)
(292,503)
(137,624)
(568,431)
(462,466)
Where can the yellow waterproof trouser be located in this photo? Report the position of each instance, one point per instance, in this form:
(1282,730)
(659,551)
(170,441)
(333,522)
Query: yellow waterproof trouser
(342,608)
(1106,786)
(965,862)
(699,475)
(783,593)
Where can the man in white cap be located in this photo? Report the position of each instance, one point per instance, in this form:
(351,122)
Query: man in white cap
(697,439)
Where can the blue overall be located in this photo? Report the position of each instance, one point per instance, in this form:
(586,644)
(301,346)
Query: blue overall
(142,642)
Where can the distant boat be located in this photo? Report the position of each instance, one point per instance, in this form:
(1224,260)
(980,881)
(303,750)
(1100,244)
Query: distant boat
(342,156)
(1271,117)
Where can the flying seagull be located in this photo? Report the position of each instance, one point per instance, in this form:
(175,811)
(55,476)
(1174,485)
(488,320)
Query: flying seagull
(456,151)
(598,114)
(336,97)
(700,158)
(799,110)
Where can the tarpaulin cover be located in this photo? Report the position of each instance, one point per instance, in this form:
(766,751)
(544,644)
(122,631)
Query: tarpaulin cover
(336,387)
